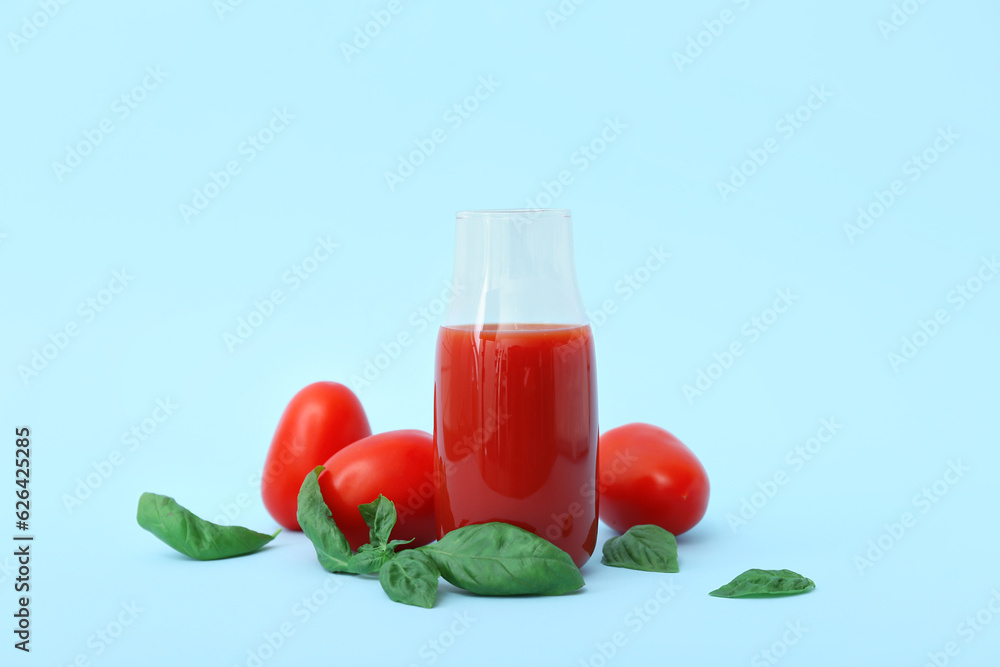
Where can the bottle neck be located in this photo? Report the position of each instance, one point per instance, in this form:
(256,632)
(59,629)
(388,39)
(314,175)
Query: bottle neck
(515,267)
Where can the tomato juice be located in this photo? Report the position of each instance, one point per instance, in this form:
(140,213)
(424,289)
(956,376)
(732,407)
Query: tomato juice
(515,430)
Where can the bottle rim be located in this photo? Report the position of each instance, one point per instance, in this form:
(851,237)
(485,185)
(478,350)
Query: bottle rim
(502,212)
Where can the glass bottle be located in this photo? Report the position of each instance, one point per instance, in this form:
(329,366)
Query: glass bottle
(515,391)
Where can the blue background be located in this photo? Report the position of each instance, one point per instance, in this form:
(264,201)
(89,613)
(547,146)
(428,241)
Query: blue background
(223,75)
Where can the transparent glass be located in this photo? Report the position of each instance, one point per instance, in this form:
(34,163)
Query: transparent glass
(515,392)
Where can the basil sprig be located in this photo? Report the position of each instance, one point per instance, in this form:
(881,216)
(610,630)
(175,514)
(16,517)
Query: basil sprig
(380,515)
(193,536)
(488,559)
(646,547)
(332,549)
(765,582)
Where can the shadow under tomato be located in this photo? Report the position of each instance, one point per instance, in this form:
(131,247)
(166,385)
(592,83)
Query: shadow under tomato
(693,536)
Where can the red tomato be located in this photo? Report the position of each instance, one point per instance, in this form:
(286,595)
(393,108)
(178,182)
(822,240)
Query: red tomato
(646,475)
(320,420)
(397,464)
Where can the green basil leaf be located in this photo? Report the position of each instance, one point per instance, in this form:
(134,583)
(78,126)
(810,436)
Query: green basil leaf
(411,578)
(765,582)
(395,543)
(380,515)
(648,548)
(501,559)
(332,549)
(192,535)
(369,560)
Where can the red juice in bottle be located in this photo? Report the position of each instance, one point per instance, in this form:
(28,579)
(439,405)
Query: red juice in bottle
(515,425)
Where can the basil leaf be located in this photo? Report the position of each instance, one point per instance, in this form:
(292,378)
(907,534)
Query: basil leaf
(192,535)
(765,582)
(395,543)
(380,515)
(411,578)
(501,559)
(369,560)
(317,523)
(648,548)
